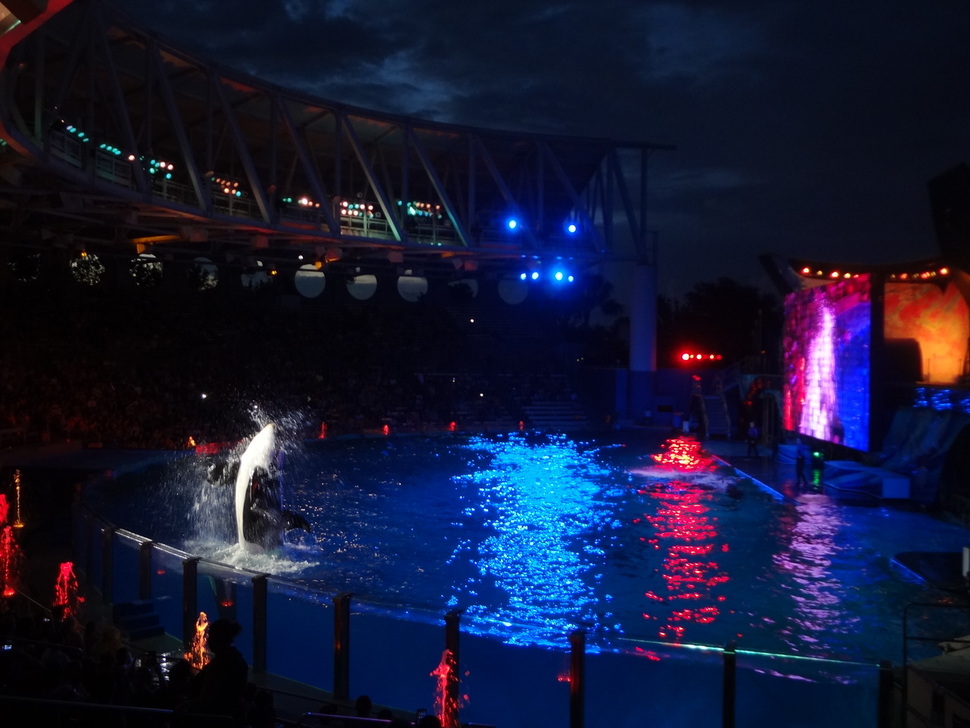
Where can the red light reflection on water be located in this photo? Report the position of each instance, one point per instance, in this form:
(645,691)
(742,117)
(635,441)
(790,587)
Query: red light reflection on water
(684,454)
(686,532)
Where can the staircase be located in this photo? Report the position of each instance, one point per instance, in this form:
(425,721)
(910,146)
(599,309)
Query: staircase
(718,423)
(556,416)
(712,409)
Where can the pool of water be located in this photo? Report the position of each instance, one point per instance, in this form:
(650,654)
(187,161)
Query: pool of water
(532,536)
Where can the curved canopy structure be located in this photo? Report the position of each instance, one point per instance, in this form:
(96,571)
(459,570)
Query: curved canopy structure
(115,138)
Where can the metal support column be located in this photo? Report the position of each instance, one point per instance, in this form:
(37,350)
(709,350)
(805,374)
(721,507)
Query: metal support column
(728,699)
(107,568)
(190,599)
(145,570)
(886,690)
(577,678)
(449,718)
(259,622)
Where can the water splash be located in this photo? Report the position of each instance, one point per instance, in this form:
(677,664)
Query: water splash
(11,558)
(446,703)
(66,596)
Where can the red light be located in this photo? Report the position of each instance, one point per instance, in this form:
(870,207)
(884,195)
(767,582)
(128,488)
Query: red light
(446,705)
(11,558)
(197,654)
(688,357)
(65,589)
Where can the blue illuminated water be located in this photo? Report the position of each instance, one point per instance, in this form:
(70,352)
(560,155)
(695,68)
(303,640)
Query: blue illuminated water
(533,536)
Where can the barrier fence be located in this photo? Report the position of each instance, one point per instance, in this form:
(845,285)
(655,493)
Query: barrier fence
(394,653)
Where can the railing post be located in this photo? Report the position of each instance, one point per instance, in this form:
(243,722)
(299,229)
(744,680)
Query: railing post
(886,690)
(577,678)
(145,570)
(449,718)
(341,646)
(107,570)
(259,622)
(89,542)
(728,699)
(190,601)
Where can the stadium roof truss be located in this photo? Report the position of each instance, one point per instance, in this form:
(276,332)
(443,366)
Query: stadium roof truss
(117,138)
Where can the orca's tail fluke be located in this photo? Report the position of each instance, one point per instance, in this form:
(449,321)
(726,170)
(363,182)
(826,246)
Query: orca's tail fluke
(294,520)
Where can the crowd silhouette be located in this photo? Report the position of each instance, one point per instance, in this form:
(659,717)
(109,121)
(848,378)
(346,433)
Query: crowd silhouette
(151,373)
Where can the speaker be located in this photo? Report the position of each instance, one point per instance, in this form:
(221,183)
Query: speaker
(950,204)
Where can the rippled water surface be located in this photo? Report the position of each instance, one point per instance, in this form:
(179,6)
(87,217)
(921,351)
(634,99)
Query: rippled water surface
(533,536)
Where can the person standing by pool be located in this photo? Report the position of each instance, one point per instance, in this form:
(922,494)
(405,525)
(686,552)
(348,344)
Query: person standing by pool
(752,438)
(801,453)
(222,683)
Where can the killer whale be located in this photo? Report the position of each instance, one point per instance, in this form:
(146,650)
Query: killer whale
(256,479)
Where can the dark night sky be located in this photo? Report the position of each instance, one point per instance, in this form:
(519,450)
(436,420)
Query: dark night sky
(801,128)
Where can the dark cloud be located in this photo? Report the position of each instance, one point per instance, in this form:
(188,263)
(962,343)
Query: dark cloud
(801,128)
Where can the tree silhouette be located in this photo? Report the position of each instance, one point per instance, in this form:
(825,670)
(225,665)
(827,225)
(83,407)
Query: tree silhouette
(719,317)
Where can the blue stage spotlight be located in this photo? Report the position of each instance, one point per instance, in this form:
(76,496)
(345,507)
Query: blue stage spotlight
(572,228)
(535,275)
(512,224)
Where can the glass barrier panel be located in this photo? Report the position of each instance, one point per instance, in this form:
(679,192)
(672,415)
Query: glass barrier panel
(299,634)
(125,566)
(167,587)
(80,548)
(392,660)
(225,592)
(506,684)
(87,532)
(805,692)
(654,684)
